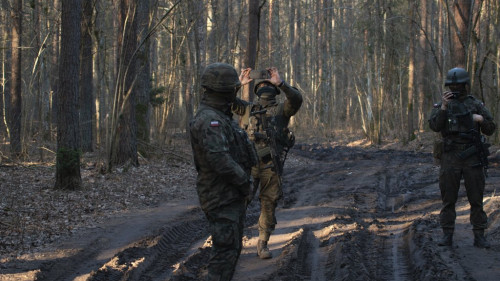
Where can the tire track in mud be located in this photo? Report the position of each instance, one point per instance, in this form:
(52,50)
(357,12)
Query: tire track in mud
(152,256)
(147,256)
(59,269)
(295,261)
(367,240)
(180,252)
(347,214)
(393,223)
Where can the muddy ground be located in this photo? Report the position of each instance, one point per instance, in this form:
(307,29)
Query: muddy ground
(349,213)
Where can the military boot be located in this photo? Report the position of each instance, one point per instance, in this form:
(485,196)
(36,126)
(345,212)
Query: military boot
(479,239)
(263,250)
(447,239)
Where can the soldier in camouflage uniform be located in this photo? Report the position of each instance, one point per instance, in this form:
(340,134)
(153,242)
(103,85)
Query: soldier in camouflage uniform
(271,142)
(223,156)
(461,119)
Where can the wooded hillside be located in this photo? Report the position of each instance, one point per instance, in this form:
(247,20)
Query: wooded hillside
(371,69)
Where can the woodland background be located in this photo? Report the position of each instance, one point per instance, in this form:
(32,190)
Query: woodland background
(122,77)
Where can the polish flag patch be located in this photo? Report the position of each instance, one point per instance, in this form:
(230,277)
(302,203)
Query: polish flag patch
(214,123)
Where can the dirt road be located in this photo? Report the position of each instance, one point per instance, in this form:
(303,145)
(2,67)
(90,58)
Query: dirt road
(348,214)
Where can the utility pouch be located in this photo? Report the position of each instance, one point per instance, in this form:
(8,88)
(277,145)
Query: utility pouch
(437,149)
(263,151)
(464,154)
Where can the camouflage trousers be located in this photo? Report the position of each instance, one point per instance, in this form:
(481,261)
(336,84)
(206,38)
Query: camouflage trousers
(226,227)
(453,169)
(269,193)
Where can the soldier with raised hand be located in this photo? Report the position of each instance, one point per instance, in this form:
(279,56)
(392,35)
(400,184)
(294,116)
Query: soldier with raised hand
(223,156)
(267,127)
(461,119)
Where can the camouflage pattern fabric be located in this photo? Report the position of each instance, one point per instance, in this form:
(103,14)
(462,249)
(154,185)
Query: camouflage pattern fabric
(279,115)
(226,226)
(269,193)
(223,156)
(454,125)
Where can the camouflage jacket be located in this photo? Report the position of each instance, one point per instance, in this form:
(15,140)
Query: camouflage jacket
(223,156)
(456,121)
(277,114)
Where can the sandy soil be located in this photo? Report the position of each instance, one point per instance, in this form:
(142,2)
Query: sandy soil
(350,212)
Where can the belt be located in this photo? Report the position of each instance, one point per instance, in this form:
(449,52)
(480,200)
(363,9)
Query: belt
(459,146)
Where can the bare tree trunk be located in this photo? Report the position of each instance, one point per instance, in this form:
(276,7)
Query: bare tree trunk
(389,70)
(5,98)
(212,23)
(36,89)
(342,107)
(291,41)
(188,76)
(224,32)
(195,41)
(296,47)
(316,88)
(55,64)
(370,118)
(143,73)
(125,126)
(238,40)
(200,40)
(411,72)
(270,38)
(460,32)
(68,125)
(46,97)
(421,60)
(496,92)
(441,39)
(16,97)
(87,105)
(40,75)
(253,37)
(101,74)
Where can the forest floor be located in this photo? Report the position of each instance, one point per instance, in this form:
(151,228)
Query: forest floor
(351,211)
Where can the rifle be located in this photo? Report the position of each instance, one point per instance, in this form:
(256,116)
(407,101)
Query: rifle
(478,147)
(270,139)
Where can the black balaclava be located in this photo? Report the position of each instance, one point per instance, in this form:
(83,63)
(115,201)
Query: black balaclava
(267,95)
(460,88)
(219,100)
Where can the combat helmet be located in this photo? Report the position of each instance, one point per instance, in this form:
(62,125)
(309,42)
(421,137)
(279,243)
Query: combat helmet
(457,75)
(220,77)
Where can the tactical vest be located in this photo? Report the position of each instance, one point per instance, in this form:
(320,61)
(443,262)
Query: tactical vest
(277,125)
(459,123)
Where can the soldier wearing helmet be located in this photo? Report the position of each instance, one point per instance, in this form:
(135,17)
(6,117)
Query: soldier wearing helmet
(223,156)
(267,127)
(462,119)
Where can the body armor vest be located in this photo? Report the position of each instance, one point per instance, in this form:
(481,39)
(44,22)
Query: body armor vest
(459,119)
(276,126)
